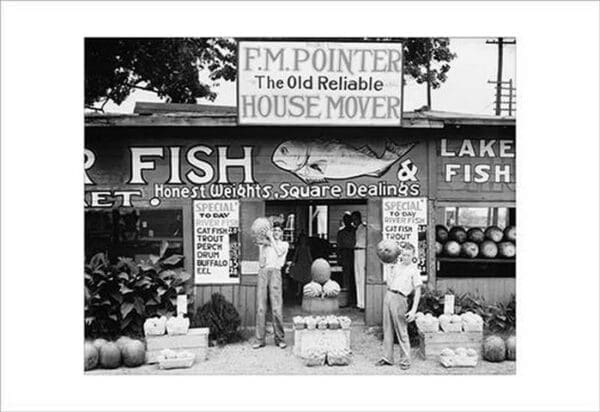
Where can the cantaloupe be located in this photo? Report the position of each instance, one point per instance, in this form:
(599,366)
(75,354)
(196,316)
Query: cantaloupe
(494,349)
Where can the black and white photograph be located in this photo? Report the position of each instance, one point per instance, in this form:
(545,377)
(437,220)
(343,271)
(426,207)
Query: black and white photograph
(319,223)
(300,206)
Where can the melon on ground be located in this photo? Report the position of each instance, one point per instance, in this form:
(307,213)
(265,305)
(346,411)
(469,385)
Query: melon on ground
(452,248)
(441,233)
(488,249)
(90,357)
(388,251)
(476,235)
(320,271)
(494,349)
(511,348)
(110,356)
(458,234)
(494,233)
(98,343)
(133,353)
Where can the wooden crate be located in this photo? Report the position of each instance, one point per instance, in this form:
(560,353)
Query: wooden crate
(432,343)
(196,341)
(305,339)
(320,306)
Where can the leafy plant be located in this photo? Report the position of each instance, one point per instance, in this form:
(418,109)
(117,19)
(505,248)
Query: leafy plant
(221,317)
(119,297)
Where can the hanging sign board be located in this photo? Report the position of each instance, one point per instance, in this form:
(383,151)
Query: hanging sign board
(315,83)
(216,241)
(405,220)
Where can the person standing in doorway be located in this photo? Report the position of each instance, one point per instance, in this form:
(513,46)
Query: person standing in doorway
(359,258)
(301,262)
(272,255)
(345,251)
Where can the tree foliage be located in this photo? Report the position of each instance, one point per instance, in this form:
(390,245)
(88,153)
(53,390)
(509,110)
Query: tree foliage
(171,67)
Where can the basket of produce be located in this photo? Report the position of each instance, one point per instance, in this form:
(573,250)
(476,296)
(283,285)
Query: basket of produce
(461,357)
(338,357)
(333,322)
(299,322)
(450,323)
(471,322)
(311,322)
(315,357)
(170,359)
(345,322)
(322,323)
(155,326)
(178,325)
(427,323)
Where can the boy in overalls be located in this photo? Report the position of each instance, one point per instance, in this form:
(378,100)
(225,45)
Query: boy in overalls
(402,279)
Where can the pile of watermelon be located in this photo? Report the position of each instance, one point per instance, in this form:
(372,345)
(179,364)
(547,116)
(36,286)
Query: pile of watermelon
(490,243)
(110,355)
(496,349)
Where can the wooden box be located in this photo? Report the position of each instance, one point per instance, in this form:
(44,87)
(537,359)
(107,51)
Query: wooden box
(195,341)
(432,343)
(305,339)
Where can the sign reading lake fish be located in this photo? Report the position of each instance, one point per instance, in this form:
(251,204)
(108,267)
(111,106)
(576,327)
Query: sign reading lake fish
(310,83)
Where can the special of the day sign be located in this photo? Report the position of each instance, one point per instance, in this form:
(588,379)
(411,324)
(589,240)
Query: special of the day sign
(216,241)
(405,220)
(310,83)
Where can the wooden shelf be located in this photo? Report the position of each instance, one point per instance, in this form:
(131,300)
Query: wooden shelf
(476,260)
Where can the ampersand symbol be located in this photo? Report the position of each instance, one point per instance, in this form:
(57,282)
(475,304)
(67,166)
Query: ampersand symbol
(407,171)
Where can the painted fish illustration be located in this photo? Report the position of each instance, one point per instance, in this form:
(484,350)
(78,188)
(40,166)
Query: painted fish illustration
(317,161)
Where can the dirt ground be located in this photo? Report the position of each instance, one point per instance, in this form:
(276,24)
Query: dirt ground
(241,359)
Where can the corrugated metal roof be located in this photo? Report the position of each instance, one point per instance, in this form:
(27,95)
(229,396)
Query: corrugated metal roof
(166,114)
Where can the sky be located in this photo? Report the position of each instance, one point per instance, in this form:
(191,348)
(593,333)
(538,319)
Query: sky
(466,90)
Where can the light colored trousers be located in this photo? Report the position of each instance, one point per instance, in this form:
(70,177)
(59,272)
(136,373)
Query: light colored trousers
(359,276)
(269,282)
(395,307)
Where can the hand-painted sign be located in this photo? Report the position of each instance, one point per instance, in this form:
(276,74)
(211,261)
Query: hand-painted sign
(216,241)
(405,220)
(314,83)
(476,165)
(128,173)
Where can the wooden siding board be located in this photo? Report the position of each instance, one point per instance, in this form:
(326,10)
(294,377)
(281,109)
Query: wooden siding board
(373,270)
(492,290)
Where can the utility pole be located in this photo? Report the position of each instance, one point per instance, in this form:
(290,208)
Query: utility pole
(500,42)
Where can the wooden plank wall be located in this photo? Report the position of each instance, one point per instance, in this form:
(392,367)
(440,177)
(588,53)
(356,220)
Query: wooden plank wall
(493,290)
(375,287)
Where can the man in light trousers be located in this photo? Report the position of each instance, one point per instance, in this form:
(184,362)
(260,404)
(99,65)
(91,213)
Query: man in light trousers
(273,252)
(360,254)
(402,279)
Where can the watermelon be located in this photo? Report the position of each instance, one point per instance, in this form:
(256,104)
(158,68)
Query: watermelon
(507,249)
(388,251)
(260,227)
(494,349)
(110,356)
(98,343)
(122,341)
(439,248)
(134,353)
(441,233)
(494,233)
(511,348)
(470,249)
(457,234)
(452,248)
(90,356)
(510,234)
(488,249)
(475,235)
(320,270)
